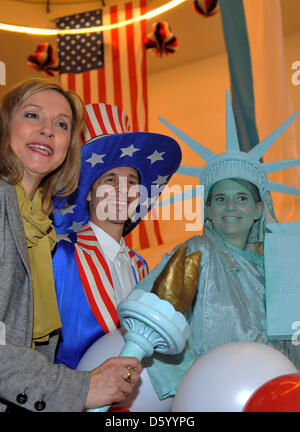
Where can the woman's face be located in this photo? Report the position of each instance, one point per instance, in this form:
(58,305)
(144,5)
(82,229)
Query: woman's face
(40,134)
(233,211)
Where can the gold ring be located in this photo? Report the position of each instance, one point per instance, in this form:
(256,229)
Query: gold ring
(129,374)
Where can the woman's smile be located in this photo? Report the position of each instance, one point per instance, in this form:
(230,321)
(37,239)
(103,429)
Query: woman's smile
(41,148)
(231,218)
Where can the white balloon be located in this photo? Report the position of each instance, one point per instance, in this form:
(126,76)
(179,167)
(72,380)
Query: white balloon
(223,379)
(143,398)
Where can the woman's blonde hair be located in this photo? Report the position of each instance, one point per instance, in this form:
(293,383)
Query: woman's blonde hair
(64,179)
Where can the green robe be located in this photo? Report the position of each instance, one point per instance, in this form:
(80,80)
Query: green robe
(229,306)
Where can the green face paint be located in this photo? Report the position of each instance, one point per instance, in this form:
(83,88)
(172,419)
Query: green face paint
(233,211)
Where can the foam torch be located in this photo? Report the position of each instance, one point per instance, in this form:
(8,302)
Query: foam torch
(155,321)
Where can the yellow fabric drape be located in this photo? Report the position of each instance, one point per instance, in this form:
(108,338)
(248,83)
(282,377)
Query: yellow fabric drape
(41,239)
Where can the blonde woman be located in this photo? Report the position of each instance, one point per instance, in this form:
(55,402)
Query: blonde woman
(40,127)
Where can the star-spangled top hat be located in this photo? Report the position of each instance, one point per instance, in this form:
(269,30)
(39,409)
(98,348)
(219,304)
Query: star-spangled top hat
(109,144)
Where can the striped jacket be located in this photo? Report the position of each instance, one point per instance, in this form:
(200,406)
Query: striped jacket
(85,293)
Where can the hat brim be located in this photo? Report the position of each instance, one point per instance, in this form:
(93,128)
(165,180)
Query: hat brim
(156,157)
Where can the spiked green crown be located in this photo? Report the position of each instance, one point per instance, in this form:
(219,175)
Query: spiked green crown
(235,163)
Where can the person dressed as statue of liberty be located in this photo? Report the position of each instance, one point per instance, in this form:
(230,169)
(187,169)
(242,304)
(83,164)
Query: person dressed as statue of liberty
(229,304)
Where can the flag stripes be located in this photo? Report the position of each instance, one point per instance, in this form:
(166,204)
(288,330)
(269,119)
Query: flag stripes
(96,280)
(121,80)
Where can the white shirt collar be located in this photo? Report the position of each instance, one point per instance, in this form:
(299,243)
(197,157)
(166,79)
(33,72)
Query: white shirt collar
(110,247)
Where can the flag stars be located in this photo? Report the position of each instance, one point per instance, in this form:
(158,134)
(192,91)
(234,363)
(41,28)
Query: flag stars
(128,151)
(95,159)
(65,237)
(68,209)
(76,226)
(81,44)
(156,156)
(161,180)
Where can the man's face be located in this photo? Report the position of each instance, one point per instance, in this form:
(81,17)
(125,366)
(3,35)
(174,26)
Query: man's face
(114,196)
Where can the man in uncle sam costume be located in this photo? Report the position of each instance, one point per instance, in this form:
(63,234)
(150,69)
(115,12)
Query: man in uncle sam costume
(230,302)
(93,268)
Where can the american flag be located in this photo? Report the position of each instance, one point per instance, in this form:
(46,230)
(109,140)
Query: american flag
(110,67)
(107,66)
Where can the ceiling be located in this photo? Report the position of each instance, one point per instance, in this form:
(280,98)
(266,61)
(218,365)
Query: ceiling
(198,37)
(62,2)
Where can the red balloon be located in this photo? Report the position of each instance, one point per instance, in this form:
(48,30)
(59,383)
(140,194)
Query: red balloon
(281,394)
